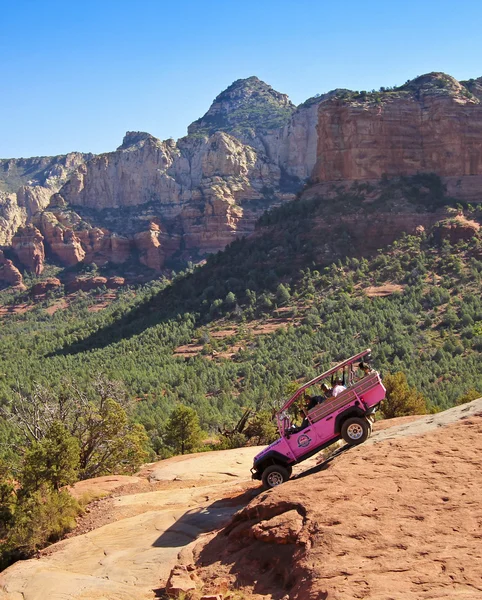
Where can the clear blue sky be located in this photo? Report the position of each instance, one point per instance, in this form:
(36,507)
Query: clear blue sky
(77,74)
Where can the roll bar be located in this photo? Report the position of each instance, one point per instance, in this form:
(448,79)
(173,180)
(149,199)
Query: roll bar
(342,365)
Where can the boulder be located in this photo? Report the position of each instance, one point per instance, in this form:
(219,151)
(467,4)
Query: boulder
(281,529)
(42,287)
(179,581)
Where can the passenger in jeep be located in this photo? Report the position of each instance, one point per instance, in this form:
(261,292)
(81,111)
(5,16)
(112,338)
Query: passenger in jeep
(338,388)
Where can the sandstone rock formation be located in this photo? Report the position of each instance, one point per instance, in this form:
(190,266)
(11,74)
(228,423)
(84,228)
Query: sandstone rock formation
(62,241)
(11,217)
(247,108)
(456,229)
(201,188)
(115,282)
(26,185)
(86,284)
(393,518)
(179,582)
(9,274)
(151,252)
(29,247)
(432,124)
(396,518)
(44,286)
(47,171)
(252,150)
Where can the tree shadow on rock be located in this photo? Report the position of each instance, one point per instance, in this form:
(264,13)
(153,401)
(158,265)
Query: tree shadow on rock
(200,520)
(322,466)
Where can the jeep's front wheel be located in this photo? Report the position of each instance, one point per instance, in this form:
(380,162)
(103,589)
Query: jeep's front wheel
(274,475)
(355,431)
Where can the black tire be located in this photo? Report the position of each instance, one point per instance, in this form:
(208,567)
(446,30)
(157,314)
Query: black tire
(274,475)
(355,431)
(289,469)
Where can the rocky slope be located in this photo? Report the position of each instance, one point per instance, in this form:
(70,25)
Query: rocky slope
(396,517)
(151,201)
(431,124)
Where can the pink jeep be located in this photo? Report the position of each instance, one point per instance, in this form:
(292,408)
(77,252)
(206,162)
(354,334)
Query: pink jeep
(345,414)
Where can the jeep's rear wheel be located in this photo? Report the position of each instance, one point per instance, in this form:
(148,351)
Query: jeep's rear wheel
(355,431)
(274,475)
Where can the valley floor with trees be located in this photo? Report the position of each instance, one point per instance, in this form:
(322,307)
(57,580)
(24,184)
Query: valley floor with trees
(84,393)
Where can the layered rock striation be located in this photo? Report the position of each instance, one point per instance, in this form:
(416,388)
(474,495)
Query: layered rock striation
(431,124)
(29,248)
(152,200)
(26,185)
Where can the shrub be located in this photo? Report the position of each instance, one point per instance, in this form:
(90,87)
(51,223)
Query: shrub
(261,429)
(401,399)
(471,394)
(183,430)
(40,518)
(54,460)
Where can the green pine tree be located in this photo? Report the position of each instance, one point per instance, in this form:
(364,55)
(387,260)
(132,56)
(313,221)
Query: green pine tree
(54,460)
(183,430)
(401,399)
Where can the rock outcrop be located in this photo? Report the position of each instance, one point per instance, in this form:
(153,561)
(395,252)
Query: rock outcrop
(11,217)
(50,172)
(26,185)
(29,248)
(373,523)
(206,190)
(456,229)
(9,274)
(247,108)
(46,285)
(432,124)
(86,284)
(252,150)
(62,242)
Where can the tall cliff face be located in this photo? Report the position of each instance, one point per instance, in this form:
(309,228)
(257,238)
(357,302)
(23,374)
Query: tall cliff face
(432,124)
(200,188)
(26,185)
(252,150)
(47,171)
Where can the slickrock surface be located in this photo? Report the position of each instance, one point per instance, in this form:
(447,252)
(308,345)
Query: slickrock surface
(397,517)
(131,557)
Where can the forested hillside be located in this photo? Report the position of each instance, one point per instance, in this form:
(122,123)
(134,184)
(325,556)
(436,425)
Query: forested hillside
(268,311)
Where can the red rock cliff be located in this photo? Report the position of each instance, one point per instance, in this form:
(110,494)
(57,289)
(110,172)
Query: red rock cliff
(432,124)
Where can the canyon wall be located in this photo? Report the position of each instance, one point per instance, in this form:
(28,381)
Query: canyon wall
(26,186)
(151,201)
(432,124)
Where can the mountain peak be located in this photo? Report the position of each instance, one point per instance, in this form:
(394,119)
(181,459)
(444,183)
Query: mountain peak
(247,106)
(433,82)
(133,138)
